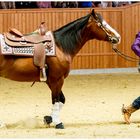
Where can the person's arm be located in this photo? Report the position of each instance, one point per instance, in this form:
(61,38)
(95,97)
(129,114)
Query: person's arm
(136,45)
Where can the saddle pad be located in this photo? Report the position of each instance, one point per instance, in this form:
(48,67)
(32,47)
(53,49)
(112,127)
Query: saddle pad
(26,50)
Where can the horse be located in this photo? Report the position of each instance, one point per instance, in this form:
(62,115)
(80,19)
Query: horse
(69,40)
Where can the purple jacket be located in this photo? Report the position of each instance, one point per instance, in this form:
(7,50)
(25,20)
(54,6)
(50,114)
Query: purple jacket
(136,45)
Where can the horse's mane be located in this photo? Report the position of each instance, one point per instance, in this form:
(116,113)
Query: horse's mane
(69,35)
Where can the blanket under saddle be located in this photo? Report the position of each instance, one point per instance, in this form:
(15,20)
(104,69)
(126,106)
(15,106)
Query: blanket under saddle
(7,48)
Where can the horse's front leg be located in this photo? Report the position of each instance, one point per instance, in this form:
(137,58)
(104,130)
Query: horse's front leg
(58,100)
(58,103)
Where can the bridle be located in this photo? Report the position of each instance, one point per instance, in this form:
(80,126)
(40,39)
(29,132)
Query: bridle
(99,21)
(110,38)
(113,40)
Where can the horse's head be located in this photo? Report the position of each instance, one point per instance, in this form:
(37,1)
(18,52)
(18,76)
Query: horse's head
(101,30)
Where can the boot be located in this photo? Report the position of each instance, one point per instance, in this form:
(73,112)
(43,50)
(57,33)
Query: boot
(127,111)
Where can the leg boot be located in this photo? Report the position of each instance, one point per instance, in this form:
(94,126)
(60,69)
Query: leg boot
(127,111)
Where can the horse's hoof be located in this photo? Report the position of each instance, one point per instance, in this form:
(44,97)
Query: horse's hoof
(48,120)
(59,126)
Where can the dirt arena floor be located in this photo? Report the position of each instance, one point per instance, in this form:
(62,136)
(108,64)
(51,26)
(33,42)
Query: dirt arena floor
(92,109)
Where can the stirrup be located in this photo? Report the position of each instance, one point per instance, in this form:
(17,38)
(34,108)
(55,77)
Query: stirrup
(43,77)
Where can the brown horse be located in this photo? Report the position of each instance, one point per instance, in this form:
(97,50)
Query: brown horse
(69,39)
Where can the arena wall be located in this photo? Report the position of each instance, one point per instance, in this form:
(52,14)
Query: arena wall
(94,54)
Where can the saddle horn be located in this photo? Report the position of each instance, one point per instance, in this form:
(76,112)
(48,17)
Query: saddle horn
(42,28)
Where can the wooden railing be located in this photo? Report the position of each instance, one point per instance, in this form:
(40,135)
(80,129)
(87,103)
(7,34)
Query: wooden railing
(94,54)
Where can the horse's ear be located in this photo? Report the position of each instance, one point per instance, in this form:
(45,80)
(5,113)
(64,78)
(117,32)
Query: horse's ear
(93,13)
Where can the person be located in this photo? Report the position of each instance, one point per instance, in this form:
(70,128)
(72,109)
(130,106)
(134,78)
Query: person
(25,4)
(97,4)
(85,4)
(106,4)
(56,4)
(73,4)
(7,5)
(128,110)
(44,4)
(123,3)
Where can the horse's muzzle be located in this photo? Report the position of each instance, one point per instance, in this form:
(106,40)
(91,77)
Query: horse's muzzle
(115,40)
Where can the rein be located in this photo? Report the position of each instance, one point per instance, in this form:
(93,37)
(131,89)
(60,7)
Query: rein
(129,58)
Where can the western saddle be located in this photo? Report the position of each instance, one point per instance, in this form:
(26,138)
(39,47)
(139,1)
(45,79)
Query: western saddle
(36,39)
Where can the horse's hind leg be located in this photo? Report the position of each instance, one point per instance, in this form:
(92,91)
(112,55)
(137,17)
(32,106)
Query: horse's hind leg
(58,100)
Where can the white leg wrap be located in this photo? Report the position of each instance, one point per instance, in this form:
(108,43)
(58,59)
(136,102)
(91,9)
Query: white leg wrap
(2,124)
(60,105)
(55,113)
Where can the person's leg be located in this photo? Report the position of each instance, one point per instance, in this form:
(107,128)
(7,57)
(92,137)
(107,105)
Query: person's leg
(128,110)
(136,103)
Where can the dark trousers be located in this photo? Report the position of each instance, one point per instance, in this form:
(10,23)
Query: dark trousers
(136,103)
